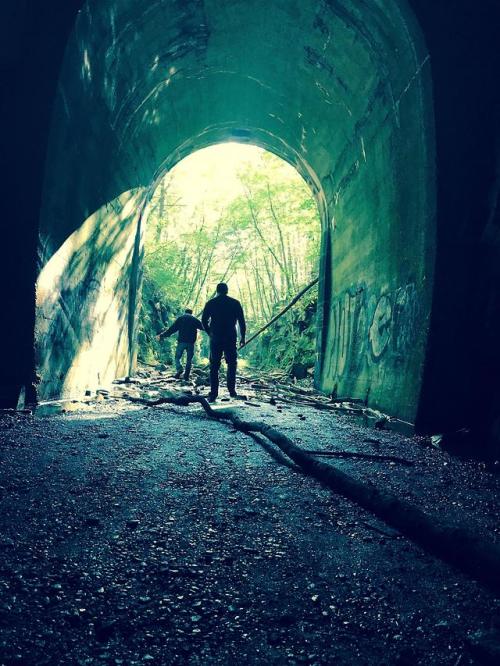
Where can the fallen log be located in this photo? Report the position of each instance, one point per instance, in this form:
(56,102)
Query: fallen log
(325,405)
(355,401)
(319,405)
(282,312)
(455,545)
(294,389)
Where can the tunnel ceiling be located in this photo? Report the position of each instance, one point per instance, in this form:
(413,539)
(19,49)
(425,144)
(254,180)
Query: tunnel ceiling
(146,83)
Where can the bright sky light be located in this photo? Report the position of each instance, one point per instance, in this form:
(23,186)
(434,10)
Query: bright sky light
(209,176)
(211,173)
(195,205)
(206,182)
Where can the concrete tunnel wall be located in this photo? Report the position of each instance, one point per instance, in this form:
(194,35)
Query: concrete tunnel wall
(340,89)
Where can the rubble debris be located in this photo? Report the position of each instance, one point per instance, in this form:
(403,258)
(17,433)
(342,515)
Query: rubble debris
(276,568)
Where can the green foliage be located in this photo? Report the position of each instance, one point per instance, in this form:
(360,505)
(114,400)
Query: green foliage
(292,339)
(156,311)
(263,240)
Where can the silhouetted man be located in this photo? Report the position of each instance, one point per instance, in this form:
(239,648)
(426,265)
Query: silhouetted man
(219,319)
(188,327)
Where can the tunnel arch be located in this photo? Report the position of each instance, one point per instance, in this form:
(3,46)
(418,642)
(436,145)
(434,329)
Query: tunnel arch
(340,89)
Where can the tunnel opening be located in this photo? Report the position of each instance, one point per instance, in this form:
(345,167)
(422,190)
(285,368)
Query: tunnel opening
(134,535)
(233,213)
(340,91)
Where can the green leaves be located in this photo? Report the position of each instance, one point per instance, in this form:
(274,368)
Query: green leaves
(263,239)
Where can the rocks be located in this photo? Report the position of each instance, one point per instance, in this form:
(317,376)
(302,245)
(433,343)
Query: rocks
(178,540)
(104,630)
(485,646)
(93,521)
(286,619)
(273,638)
(74,618)
(6,543)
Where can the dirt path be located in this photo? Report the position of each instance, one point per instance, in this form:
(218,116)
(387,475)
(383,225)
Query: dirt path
(134,535)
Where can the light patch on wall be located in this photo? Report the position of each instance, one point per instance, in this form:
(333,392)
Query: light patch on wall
(86,69)
(82,327)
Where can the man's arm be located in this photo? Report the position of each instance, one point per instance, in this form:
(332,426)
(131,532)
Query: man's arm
(205,318)
(199,325)
(242,324)
(169,331)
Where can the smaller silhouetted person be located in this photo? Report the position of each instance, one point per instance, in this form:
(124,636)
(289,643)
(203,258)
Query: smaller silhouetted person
(188,327)
(219,318)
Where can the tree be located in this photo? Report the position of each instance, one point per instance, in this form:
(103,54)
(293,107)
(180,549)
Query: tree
(263,241)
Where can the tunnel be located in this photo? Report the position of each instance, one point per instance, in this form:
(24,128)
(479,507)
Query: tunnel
(371,102)
(341,94)
(349,517)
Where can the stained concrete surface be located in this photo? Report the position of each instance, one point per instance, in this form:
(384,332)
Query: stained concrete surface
(88,302)
(134,535)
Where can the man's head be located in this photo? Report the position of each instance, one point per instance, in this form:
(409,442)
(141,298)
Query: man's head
(222,288)
(188,311)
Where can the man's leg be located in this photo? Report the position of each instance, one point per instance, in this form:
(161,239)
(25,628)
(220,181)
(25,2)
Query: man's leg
(178,355)
(189,358)
(216,350)
(231,356)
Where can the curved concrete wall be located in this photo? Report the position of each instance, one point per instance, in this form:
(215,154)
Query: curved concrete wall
(339,88)
(86,297)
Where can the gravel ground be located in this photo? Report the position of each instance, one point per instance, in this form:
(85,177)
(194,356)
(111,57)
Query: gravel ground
(133,536)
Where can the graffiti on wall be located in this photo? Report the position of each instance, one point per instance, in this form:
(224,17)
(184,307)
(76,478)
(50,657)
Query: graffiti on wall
(367,327)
